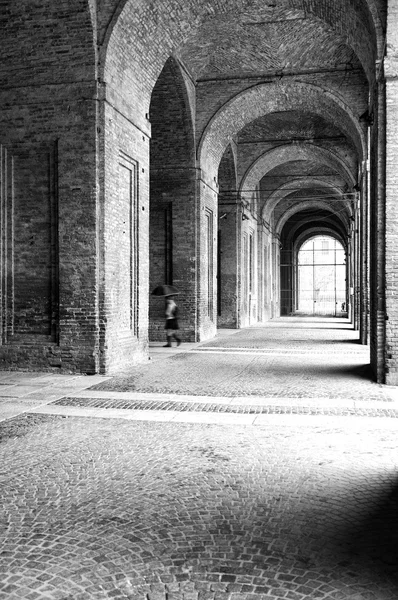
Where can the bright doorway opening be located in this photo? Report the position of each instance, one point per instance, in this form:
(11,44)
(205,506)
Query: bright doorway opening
(321,278)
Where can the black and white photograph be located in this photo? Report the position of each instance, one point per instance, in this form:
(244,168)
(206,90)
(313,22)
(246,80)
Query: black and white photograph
(198,299)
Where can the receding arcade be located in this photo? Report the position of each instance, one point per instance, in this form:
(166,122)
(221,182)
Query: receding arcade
(199,144)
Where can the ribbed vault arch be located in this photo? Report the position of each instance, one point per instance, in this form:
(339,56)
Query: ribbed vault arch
(267,98)
(308,204)
(302,229)
(358,23)
(284,191)
(312,232)
(292,152)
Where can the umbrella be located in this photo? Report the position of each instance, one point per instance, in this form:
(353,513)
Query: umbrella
(164,290)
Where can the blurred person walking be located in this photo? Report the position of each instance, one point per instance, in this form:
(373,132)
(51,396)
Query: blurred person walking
(171,325)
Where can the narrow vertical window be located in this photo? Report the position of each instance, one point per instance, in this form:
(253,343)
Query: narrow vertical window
(127,243)
(265,272)
(209,252)
(251,263)
(245,271)
(219,275)
(169,244)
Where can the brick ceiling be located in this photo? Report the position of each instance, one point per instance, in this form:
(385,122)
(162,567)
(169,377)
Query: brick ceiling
(278,41)
(236,46)
(288,126)
(285,42)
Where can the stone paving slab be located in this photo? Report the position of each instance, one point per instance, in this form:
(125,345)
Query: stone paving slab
(25,391)
(19,391)
(113,395)
(37,377)
(111,413)
(333,352)
(302,508)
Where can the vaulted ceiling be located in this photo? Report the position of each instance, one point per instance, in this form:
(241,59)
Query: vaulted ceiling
(277,42)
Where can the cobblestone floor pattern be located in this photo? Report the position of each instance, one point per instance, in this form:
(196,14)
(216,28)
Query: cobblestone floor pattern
(302,506)
(110,509)
(286,360)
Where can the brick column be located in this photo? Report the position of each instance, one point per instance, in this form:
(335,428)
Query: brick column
(377,234)
(276,291)
(364,284)
(205,267)
(357,269)
(391,203)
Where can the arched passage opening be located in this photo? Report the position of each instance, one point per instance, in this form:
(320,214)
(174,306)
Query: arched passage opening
(320,278)
(171,197)
(137,71)
(227,248)
(308,285)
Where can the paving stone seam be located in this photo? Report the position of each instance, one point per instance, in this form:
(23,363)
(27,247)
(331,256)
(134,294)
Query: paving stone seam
(287,354)
(169,405)
(270,399)
(286,350)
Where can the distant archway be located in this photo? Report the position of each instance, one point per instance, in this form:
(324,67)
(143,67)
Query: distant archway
(321,288)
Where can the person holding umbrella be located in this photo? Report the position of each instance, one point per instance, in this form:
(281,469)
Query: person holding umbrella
(171,326)
(169,292)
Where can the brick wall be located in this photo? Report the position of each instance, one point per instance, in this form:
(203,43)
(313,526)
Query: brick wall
(48,134)
(383,231)
(391,210)
(124,225)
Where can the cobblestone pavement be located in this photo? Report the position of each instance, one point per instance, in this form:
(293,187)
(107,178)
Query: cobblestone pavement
(287,358)
(153,496)
(99,508)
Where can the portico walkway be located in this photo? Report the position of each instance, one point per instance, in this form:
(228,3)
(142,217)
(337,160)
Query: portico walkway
(261,464)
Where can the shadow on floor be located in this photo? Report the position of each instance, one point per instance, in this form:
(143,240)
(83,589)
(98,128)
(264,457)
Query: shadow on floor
(375,540)
(363,372)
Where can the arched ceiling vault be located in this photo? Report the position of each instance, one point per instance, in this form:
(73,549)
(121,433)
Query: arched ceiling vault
(298,233)
(286,153)
(274,97)
(324,46)
(293,229)
(165,26)
(330,190)
(316,57)
(316,206)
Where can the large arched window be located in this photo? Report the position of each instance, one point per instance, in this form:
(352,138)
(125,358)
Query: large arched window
(321,277)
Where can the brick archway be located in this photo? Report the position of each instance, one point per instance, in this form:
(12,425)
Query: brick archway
(295,224)
(292,152)
(360,25)
(171,198)
(227,246)
(305,205)
(268,98)
(77,89)
(285,190)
